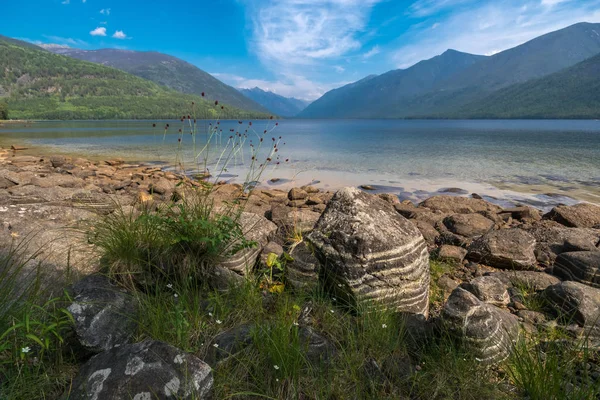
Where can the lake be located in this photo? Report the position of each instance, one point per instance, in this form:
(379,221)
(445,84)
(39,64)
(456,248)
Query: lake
(536,162)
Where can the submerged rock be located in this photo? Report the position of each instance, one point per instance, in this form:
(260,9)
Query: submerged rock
(143,371)
(105,315)
(368,252)
(485,329)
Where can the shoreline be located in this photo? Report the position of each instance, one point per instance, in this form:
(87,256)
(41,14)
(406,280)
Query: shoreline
(542,197)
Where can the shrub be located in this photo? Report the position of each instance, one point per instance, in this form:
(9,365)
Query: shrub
(3,110)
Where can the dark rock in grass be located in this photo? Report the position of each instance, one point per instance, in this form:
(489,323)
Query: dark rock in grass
(229,343)
(506,248)
(318,349)
(297,194)
(105,315)
(580,266)
(533,280)
(368,252)
(459,205)
(270,248)
(532,317)
(452,253)
(143,371)
(302,272)
(485,329)
(256,229)
(582,215)
(553,239)
(490,290)
(468,225)
(575,302)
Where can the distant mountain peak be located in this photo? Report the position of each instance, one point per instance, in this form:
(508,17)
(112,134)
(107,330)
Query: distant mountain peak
(277,104)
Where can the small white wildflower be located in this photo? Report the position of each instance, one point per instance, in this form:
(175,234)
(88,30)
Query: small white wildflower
(219,321)
(334,299)
(176,295)
(25,349)
(296,323)
(210,314)
(170,286)
(332,311)
(339,285)
(383,326)
(276,379)
(215,344)
(276,367)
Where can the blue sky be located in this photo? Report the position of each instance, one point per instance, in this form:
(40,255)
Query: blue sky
(299,48)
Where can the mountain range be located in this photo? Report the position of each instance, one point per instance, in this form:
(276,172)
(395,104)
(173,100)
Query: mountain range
(279,105)
(164,70)
(38,84)
(556,75)
(454,84)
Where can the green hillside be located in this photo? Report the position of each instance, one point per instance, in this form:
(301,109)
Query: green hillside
(571,93)
(165,70)
(37,84)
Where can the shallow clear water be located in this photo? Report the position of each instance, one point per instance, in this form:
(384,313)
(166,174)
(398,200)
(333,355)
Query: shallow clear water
(535,160)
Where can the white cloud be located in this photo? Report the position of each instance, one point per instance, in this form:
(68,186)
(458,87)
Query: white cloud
(83,1)
(489,26)
(119,35)
(66,2)
(339,68)
(373,52)
(301,32)
(66,41)
(100,31)
(105,11)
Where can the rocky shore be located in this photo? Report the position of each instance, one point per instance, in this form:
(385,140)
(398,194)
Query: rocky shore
(363,246)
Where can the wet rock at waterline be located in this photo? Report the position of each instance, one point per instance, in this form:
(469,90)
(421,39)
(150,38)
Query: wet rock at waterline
(506,248)
(580,266)
(105,315)
(143,371)
(368,252)
(485,329)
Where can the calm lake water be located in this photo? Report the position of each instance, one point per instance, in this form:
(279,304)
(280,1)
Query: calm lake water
(539,162)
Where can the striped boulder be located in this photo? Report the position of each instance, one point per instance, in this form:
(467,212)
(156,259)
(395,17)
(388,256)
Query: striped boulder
(371,254)
(579,266)
(486,330)
(257,229)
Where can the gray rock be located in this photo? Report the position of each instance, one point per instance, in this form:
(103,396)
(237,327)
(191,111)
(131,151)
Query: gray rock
(303,271)
(580,266)
(143,371)
(271,247)
(161,186)
(430,234)
(468,225)
(257,229)
(229,343)
(452,253)
(370,252)
(582,215)
(506,248)
(485,329)
(105,315)
(532,317)
(459,205)
(523,213)
(553,239)
(534,280)
(389,197)
(490,290)
(318,349)
(575,303)
(313,201)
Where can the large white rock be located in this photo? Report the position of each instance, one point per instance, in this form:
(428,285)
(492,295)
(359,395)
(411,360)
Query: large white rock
(371,253)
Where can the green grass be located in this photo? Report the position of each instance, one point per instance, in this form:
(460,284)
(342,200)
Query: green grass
(437,268)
